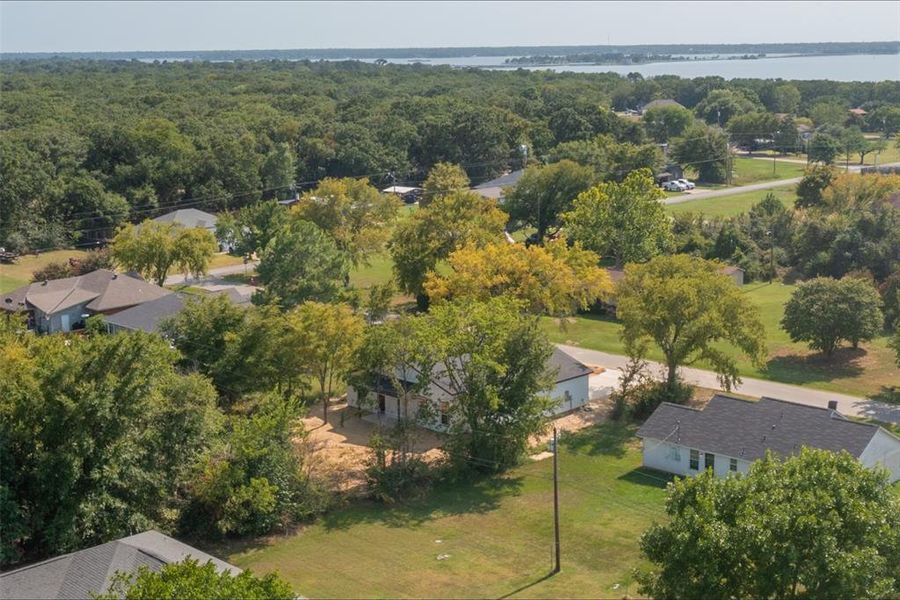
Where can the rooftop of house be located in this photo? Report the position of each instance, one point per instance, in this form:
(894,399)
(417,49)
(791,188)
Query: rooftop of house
(189,217)
(79,574)
(494,187)
(150,315)
(102,290)
(658,103)
(746,429)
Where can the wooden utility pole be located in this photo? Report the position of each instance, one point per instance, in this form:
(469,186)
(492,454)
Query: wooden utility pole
(556,566)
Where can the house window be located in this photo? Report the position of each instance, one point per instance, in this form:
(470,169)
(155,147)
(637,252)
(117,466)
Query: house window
(709,461)
(445,413)
(675,453)
(732,465)
(695,460)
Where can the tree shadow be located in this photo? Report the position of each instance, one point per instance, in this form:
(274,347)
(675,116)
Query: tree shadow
(607,439)
(447,499)
(647,477)
(800,369)
(889,394)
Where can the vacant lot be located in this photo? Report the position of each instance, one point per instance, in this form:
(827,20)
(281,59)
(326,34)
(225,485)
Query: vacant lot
(859,372)
(492,538)
(19,274)
(752,170)
(729,206)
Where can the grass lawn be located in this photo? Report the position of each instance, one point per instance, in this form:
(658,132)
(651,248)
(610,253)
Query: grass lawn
(752,170)
(728,206)
(857,372)
(19,274)
(496,534)
(225,260)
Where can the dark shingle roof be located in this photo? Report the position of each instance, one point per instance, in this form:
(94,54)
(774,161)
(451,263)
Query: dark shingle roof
(149,315)
(494,187)
(745,429)
(79,574)
(189,217)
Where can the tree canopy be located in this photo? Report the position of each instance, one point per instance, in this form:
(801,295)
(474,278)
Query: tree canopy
(815,525)
(154,248)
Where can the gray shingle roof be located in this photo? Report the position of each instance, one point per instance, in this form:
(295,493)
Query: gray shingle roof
(189,217)
(102,289)
(494,187)
(79,574)
(149,315)
(746,429)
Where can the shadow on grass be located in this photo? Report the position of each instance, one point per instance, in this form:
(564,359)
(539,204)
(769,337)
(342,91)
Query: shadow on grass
(451,499)
(528,585)
(607,439)
(889,394)
(647,477)
(798,369)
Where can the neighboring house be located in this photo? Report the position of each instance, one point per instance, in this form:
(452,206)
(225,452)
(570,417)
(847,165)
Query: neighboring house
(87,572)
(494,188)
(670,172)
(150,315)
(192,218)
(409,195)
(570,390)
(63,304)
(616,275)
(658,104)
(729,434)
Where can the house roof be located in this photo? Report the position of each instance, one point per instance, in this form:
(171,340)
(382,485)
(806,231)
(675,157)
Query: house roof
(494,187)
(79,574)
(189,217)
(745,429)
(400,189)
(567,367)
(102,290)
(150,315)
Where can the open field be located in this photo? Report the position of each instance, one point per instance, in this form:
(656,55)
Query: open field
(225,260)
(492,538)
(19,274)
(858,372)
(729,206)
(751,170)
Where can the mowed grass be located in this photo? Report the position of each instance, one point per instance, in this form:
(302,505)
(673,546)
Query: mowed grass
(16,275)
(753,170)
(729,206)
(859,372)
(495,536)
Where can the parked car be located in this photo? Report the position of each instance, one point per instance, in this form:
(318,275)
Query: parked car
(674,186)
(688,184)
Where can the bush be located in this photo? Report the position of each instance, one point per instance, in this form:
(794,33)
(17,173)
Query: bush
(653,393)
(394,472)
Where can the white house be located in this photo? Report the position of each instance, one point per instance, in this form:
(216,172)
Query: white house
(729,434)
(570,391)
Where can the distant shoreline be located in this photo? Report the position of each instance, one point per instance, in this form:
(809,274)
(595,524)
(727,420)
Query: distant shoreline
(424,54)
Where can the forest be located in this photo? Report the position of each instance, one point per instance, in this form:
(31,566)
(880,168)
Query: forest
(88,145)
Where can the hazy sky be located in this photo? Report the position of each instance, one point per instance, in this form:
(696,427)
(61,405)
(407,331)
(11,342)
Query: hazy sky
(99,26)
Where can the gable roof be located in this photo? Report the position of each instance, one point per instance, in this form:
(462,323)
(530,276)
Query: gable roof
(79,574)
(102,290)
(149,315)
(746,429)
(494,187)
(189,217)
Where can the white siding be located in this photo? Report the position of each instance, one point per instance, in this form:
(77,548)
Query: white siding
(883,450)
(676,459)
(577,389)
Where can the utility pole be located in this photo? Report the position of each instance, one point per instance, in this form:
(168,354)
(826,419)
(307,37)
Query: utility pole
(556,567)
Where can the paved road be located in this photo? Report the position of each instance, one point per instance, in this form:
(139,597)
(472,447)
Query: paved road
(690,197)
(848,405)
(213,273)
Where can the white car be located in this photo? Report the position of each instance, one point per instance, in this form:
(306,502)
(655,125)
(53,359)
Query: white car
(688,184)
(674,186)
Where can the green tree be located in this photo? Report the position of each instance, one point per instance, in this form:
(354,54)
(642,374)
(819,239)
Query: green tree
(301,262)
(705,149)
(545,192)
(665,122)
(430,234)
(190,579)
(443,179)
(352,212)
(721,105)
(686,307)
(828,113)
(624,220)
(894,343)
(494,360)
(97,434)
(747,128)
(785,98)
(277,170)
(815,181)
(765,535)
(825,311)
(154,248)
(326,337)
(250,229)
(824,148)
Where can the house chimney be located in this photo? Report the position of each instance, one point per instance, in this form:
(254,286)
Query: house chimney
(832,405)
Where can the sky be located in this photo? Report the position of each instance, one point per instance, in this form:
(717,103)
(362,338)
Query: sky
(130,26)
